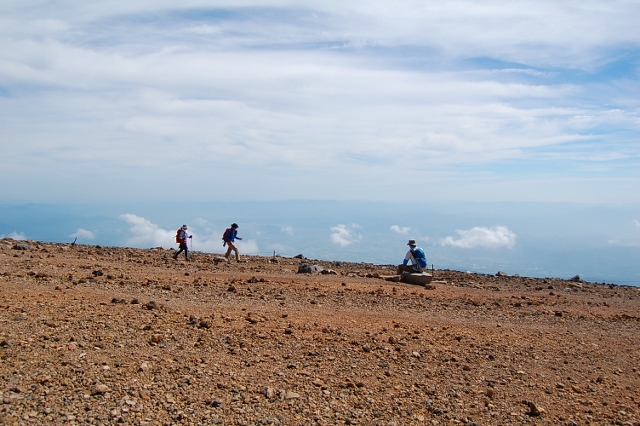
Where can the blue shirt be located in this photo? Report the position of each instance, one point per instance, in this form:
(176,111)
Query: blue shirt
(417,257)
(230,235)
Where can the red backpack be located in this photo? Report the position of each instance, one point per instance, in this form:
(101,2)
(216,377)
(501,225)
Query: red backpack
(179,238)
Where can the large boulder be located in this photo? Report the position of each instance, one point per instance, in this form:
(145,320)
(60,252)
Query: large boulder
(21,246)
(305,268)
(421,278)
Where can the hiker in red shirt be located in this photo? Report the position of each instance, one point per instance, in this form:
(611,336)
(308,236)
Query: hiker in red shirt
(181,238)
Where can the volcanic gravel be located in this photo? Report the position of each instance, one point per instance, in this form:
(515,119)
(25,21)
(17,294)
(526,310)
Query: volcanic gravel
(104,335)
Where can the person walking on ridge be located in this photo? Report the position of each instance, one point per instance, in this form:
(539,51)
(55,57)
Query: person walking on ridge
(416,256)
(229,236)
(181,238)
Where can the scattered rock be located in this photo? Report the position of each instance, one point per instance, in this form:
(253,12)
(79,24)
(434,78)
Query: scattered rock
(100,389)
(305,268)
(416,278)
(392,278)
(284,349)
(151,305)
(291,395)
(534,411)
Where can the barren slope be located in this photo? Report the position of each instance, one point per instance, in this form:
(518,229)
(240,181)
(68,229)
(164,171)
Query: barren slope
(102,335)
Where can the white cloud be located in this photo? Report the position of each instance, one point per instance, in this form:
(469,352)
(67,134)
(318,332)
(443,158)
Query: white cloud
(389,89)
(83,234)
(15,236)
(248,247)
(287,229)
(402,230)
(144,233)
(498,236)
(345,235)
(202,222)
(624,242)
(629,238)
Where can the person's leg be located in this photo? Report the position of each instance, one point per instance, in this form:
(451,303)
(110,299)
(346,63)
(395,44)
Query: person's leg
(405,268)
(232,247)
(183,248)
(229,248)
(408,268)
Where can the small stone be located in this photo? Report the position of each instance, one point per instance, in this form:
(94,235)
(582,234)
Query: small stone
(291,395)
(100,389)
(269,392)
(534,411)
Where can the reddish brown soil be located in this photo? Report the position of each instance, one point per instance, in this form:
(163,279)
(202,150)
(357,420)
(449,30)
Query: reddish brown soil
(102,335)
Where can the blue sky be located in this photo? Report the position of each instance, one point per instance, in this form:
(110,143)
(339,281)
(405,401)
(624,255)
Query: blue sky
(460,100)
(203,101)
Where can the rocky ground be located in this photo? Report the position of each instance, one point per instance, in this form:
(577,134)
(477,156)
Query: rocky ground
(103,335)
